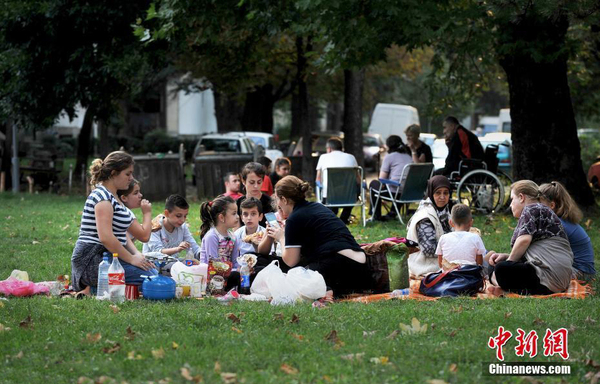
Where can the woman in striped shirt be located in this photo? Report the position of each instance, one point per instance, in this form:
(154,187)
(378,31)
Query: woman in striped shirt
(105,223)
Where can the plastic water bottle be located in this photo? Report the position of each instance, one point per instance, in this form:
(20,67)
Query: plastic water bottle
(245,279)
(400,292)
(103,275)
(116,280)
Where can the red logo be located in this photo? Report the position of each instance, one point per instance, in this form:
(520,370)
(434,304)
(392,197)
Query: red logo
(116,279)
(499,341)
(555,343)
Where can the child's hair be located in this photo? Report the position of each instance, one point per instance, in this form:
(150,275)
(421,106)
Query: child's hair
(227,176)
(461,214)
(210,210)
(176,201)
(253,167)
(282,161)
(292,188)
(265,161)
(252,202)
(101,170)
(126,192)
(564,205)
(527,188)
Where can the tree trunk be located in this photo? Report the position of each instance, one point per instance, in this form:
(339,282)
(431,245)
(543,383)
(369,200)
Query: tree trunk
(104,145)
(544,132)
(258,109)
(335,116)
(295,109)
(6,163)
(83,142)
(228,112)
(308,171)
(353,94)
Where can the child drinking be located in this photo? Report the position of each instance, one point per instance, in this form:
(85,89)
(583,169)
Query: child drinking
(250,235)
(460,247)
(132,198)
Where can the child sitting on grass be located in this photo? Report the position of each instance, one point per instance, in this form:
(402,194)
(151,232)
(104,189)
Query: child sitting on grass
(172,234)
(253,175)
(250,235)
(460,247)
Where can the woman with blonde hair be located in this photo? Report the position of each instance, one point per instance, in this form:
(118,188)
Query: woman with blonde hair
(556,196)
(420,152)
(540,261)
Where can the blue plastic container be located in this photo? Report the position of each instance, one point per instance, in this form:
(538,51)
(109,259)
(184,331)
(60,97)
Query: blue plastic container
(158,288)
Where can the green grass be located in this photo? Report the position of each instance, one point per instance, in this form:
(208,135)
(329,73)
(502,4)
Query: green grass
(38,233)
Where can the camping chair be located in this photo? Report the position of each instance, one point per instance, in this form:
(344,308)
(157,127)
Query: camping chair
(343,189)
(413,190)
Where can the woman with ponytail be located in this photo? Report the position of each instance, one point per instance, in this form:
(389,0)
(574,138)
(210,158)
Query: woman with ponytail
(104,225)
(314,237)
(540,261)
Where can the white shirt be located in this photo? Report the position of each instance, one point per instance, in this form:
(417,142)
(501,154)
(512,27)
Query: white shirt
(460,247)
(334,159)
(240,233)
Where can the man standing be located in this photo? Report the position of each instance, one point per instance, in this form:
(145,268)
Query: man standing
(462,144)
(335,158)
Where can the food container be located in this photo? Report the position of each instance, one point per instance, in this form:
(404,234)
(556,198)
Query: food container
(158,288)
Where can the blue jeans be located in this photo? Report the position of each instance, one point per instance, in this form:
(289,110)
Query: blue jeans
(133,274)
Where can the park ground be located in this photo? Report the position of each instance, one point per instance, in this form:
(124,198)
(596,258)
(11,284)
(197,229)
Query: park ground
(69,341)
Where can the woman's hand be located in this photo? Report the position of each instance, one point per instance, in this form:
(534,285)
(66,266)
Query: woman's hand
(141,262)
(495,258)
(275,233)
(146,206)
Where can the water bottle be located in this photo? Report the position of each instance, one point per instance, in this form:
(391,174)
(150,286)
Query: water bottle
(397,293)
(103,276)
(116,280)
(244,279)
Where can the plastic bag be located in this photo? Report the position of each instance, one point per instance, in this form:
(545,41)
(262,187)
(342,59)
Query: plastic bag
(309,285)
(259,285)
(196,274)
(272,283)
(15,287)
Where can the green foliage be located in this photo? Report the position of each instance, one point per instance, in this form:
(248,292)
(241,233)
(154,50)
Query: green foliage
(590,150)
(158,141)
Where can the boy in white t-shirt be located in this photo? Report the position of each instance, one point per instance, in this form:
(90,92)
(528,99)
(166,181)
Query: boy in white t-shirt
(460,247)
(251,233)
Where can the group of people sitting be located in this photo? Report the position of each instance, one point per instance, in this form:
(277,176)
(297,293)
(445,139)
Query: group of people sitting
(549,247)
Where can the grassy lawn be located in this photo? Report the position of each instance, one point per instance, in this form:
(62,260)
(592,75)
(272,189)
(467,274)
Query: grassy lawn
(191,340)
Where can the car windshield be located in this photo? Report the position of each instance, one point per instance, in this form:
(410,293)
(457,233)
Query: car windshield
(221,145)
(369,141)
(259,141)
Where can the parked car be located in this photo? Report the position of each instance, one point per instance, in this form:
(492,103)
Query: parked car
(223,143)
(439,150)
(428,138)
(373,147)
(266,140)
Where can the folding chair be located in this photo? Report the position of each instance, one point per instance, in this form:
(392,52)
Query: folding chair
(344,189)
(413,189)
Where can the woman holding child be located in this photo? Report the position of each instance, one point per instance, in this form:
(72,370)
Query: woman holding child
(540,261)
(314,237)
(428,224)
(105,222)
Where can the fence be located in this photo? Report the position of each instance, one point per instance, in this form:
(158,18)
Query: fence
(160,175)
(209,171)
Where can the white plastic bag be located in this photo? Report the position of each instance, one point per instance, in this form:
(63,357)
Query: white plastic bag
(309,285)
(272,283)
(259,285)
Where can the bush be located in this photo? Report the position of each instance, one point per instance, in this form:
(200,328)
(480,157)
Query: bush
(158,141)
(590,150)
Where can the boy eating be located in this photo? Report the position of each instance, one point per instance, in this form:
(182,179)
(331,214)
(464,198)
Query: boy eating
(250,235)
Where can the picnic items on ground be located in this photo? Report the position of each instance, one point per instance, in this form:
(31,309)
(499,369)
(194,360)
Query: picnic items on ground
(116,280)
(20,288)
(462,280)
(190,275)
(158,287)
(387,260)
(102,290)
(20,275)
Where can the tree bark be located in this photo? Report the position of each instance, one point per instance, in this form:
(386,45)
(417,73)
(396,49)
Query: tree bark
(353,94)
(104,144)
(335,116)
(258,109)
(228,112)
(83,142)
(6,163)
(544,132)
(308,172)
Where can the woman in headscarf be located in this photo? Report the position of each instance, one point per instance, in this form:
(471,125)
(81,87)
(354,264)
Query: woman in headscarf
(428,224)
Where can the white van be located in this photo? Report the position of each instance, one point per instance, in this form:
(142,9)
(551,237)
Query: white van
(392,119)
(504,120)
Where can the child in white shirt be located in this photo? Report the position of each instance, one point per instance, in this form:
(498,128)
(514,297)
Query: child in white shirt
(251,231)
(460,247)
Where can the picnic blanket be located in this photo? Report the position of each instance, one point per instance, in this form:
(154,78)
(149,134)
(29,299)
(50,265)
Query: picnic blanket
(577,290)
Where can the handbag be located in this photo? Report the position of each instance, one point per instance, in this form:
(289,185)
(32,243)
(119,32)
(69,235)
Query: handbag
(461,280)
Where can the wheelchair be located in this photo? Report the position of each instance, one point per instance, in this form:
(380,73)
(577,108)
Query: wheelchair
(480,185)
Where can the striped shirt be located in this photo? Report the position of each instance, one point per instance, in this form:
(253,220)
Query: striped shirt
(122,217)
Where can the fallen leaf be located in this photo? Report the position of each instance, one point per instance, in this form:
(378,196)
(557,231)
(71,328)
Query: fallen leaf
(84,380)
(114,308)
(3,328)
(589,320)
(588,224)
(1,304)
(415,327)
(393,335)
(236,330)
(379,360)
(130,334)
(105,379)
(278,316)
(592,363)
(27,323)
(93,337)
(18,355)
(174,345)
(185,373)
(65,227)
(288,369)
(114,348)
(333,338)
(217,367)
(453,368)
(327,378)
(538,321)
(507,315)
(457,310)
(353,356)
(368,334)
(452,334)
(233,318)
(34,242)
(296,336)
(295,319)
(593,377)
(158,353)
(229,378)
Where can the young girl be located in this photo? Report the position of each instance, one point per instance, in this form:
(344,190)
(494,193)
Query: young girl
(132,198)
(218,240)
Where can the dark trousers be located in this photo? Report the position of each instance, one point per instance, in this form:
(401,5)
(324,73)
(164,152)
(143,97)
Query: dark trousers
(342,274)
(520,278)
(346,212)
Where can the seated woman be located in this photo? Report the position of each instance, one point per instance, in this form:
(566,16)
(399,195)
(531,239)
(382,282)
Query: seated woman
(556,196)
(105,223)
(391,168)
(421,152)
(315,238)
(428,224)
(540,261)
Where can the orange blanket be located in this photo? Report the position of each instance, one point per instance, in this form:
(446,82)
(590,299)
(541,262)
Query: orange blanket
(576,290)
